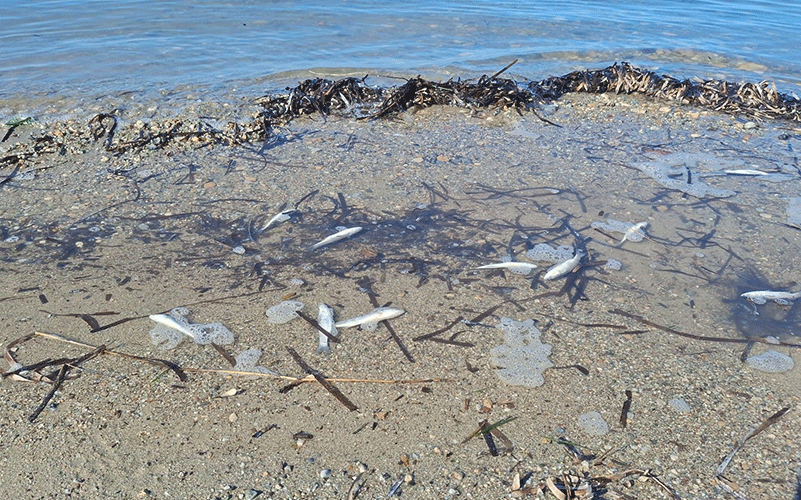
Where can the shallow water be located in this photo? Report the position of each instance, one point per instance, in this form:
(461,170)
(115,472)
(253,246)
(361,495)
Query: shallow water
(74,49)
(439,192)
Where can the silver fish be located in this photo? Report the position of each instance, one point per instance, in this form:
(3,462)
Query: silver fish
(746,171)
(760,297)
(515,267)
(170,322)
(565,267)
(325,318)
(374,316)
(279,217)
(341,235)
(635,232)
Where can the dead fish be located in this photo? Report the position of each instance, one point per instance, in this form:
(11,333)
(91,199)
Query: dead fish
(746,171)
(374,316)
(565,267)
(341,235)
(515,267)
(325,318)
(170,322)
(760,297)
(279,217)
(635,232)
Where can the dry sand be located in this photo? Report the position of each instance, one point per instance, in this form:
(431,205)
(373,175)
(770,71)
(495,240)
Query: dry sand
(439,192)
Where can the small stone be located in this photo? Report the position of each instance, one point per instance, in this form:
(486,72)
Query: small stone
(232,418)
(209,185)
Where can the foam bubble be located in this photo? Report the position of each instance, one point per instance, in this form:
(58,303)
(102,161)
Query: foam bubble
(522,357)
(283,312)
(680,405)
(593,423)
(165,338)
(794,211)
(671,172)
(246,362)
(543,251)
(214,333)
(771,362)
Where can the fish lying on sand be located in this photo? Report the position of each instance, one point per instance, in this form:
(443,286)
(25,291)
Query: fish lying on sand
(279,217)
(515,267)
(341,235)
(565,267)
(635,232)
(325,318)
(371,318)
(760,297)
(170,322)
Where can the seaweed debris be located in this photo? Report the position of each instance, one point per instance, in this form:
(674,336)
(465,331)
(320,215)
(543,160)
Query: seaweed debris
(356,98)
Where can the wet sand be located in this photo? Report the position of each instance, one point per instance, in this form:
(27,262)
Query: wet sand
(439,192)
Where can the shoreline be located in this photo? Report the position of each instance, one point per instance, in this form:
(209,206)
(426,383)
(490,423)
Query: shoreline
(441,191)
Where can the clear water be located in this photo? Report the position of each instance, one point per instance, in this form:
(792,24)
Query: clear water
(53,49)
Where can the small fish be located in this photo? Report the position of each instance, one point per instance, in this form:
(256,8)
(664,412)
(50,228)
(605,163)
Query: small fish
(515,267)
(325,318)
(374,316)
(565,267)
(341,235)
(279,217)
(762,296)
(635,232)
(746,171)
(170,322)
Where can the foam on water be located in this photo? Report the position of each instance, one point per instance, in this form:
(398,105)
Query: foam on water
(771,362)
(794,211)
(679,171)
(522,357)
(283,312)
(545,252)
(246,362)
(593,423)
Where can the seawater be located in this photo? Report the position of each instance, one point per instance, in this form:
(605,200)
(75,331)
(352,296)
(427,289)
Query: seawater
(60,49)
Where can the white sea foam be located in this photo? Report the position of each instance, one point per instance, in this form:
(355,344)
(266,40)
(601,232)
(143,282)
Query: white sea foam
(675,171)
(545,252)
(246,362)
(283,312)
(593,423)
(771,362)
(522,357)
(794,211)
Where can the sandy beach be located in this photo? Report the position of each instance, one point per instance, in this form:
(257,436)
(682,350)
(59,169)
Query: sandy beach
(654,347)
